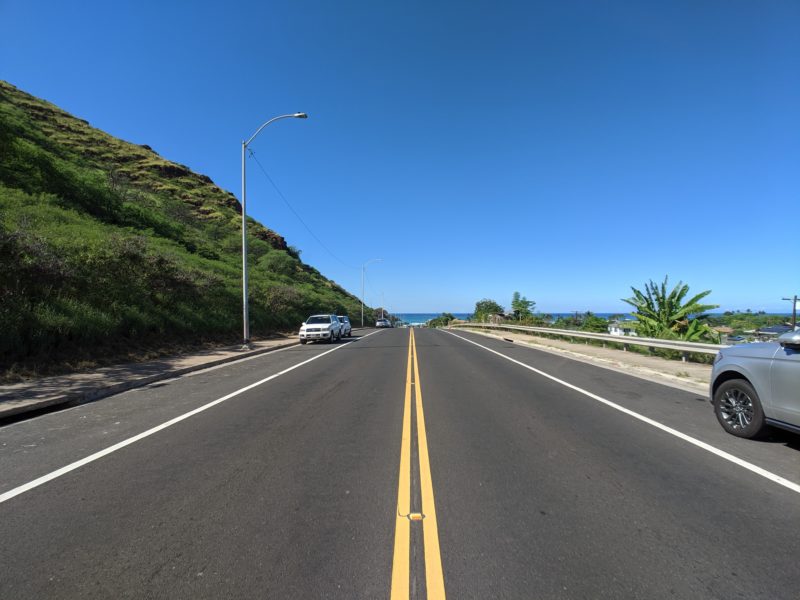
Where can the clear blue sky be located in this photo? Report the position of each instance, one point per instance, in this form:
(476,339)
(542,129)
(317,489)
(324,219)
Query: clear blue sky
(567,150)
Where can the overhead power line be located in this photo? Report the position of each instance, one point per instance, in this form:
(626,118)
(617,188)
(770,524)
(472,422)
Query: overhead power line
(294,212)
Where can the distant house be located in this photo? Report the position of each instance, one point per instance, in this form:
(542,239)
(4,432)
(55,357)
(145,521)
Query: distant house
(724,331)
(773,331)
(623,328)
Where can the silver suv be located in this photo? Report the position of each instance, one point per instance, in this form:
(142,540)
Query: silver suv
(347,328)
(757,385)
(321,328)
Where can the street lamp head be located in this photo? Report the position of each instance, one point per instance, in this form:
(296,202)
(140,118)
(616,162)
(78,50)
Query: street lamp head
(300,115)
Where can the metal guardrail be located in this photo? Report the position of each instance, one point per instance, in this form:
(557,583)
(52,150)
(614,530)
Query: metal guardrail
(683,347)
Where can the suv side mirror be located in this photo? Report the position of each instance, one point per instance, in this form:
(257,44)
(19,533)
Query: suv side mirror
(790,339)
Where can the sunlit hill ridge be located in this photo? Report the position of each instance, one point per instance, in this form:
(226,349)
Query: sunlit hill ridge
(110,251)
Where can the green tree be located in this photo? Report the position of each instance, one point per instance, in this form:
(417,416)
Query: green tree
(591,322)
(664,314)
(484,308)
(442,320)
(572,321)
(522,307)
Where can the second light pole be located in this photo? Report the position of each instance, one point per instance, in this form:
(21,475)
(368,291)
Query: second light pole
(363,269)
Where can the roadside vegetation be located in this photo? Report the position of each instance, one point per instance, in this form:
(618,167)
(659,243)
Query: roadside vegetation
(442,320)
(746,322)
(658,313)
(484,309)
(108,251)
(658,310)
(521,313)
(667,314)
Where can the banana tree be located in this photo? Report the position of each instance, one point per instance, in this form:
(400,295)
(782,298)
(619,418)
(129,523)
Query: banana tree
(664,314)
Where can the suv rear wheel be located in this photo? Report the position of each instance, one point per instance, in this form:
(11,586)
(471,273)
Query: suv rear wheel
(738,409)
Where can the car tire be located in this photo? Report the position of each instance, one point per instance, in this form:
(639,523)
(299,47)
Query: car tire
(738,409)
(303,341)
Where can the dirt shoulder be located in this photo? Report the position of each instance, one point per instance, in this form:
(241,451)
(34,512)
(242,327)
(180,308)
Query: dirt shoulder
(692,377)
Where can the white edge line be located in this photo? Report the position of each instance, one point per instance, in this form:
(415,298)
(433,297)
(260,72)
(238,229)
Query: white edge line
(265,354)
(118,446)
(687,438)
(175,377)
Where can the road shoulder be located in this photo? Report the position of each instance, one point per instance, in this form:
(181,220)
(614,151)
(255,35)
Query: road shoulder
(77,388)
(690,377)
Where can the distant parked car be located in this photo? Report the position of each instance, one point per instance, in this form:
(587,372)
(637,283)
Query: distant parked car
(383,323)
(321,328)
(754,386)
(347,329)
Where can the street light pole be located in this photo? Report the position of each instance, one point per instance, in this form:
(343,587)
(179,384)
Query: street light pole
(363,269)
(245,312)
(794,311)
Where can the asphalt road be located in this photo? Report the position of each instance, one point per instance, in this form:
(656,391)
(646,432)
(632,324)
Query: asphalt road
(352,470)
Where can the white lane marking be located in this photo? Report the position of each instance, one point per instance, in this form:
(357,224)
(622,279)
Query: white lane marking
(239,360)
(118,446)
(246,358)
(687,438)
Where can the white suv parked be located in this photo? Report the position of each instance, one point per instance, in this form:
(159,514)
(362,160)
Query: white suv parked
(321,328)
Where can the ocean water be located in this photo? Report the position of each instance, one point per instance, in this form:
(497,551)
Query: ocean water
(418,318)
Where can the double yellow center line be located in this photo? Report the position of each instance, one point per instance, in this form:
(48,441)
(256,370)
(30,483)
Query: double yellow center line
(434,580)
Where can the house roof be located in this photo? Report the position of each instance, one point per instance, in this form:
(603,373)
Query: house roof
(773,329)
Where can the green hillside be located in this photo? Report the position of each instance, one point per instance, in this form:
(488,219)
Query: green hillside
(105,247)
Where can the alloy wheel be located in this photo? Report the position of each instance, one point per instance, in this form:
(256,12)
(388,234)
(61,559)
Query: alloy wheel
(736,407)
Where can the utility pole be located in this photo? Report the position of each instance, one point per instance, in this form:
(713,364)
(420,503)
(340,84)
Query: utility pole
(363,271)
(794,311)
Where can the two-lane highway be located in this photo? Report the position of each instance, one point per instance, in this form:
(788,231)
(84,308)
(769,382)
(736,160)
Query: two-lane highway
(352,470)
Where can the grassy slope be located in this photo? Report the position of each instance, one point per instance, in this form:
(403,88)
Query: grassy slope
(105,246)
